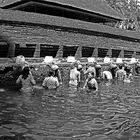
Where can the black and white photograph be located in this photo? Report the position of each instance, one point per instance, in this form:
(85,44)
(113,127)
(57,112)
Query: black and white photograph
(69,69)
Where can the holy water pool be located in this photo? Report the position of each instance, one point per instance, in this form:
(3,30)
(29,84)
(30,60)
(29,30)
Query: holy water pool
(112,114)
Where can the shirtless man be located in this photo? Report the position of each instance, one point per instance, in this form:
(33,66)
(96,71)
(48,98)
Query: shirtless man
(107,75)
(74,77)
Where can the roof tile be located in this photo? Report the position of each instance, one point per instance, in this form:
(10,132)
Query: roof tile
(96,6)
(26,17)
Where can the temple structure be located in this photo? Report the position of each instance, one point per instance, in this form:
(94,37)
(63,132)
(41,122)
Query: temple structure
(62,28)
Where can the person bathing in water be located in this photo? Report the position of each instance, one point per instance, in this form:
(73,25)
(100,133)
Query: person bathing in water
(91,83)
(57,73)
(90,68)
(107,76)
(74,77)
(50,82)
(27,80)
(121,73)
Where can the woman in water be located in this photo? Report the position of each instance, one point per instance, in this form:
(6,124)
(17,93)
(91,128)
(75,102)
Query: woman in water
(91,83)
(26,79)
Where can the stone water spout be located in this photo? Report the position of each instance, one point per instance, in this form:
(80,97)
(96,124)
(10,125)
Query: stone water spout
(119,61)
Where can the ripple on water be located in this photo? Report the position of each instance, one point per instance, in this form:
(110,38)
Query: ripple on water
(5,132)
(15,128)
(80,117)
(34,137)
(117,110)
(99,137)
(19,130)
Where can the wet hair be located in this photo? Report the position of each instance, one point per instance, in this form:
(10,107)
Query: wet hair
(25,72)
(51,73)
(120,67)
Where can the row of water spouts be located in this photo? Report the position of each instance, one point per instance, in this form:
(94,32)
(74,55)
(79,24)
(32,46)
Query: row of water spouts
(106,60)
(70,59)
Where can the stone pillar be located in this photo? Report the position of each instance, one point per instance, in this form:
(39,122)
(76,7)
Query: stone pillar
(78,53)
(11,50)
(121,54)
(95,52)
(37,51)
(134,54)
(109,53)
(60,52)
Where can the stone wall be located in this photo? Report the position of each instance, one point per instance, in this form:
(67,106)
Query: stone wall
(40,34)
(18,34)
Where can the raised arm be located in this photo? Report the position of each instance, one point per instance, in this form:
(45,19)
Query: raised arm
(57,83)
(32,80)
(78,77)
(96,85)
(85,84)
(44,82)
(116,75)
(18,80)
(59,75)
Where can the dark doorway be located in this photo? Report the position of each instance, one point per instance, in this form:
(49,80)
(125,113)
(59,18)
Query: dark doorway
(128,54)
(115,53)
(87,51)
(102,52)
(27,51)
(48,50)
(69,50)
(3,49)
(137,54)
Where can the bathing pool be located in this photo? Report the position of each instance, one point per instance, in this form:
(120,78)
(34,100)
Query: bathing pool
(111,114)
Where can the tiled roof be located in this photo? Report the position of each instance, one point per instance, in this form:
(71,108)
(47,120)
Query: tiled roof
(96,6)
(26,17)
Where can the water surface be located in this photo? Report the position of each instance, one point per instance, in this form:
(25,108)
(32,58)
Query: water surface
(111,114)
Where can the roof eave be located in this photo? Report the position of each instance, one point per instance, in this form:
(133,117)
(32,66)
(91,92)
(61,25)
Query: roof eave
(12,5)
(46,20)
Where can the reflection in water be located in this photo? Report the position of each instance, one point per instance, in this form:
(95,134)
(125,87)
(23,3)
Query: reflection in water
(111,114)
